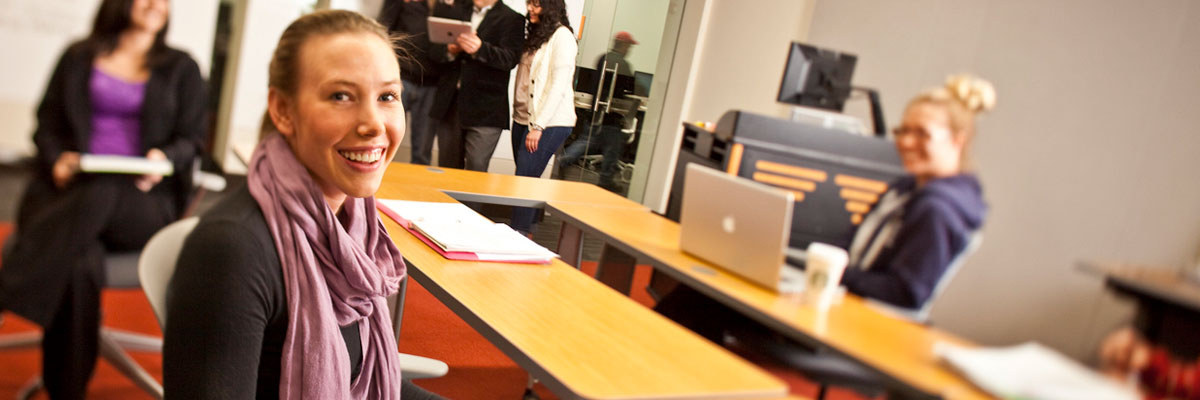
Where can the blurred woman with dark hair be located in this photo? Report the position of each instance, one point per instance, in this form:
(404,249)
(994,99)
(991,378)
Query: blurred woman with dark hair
(543,98)
(121,91)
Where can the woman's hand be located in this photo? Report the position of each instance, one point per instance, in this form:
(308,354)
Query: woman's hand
(531,140)
(1123,352)
(65,168)
(147,182)
(469,42)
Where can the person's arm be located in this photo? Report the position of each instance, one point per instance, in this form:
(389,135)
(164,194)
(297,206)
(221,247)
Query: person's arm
(563,50)
(219,303)
(53,127)
(925,247)
(188,128)
(505,52)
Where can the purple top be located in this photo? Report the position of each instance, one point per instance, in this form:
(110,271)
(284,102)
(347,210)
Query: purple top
(116,115)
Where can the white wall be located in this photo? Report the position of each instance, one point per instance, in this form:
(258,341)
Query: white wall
(728,56)
(245,87)
(38,31)
(1091,153)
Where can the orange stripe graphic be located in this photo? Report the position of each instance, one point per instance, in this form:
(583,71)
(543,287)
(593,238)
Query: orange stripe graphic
(735,159)
(807,186)
(856,219)
(858,208)
(860,183)
(865,197)
(797,195)
(799,172)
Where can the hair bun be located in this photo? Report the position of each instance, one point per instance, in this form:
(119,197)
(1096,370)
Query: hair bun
(976,94)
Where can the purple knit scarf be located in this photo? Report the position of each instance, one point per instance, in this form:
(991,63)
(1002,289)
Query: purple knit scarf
(334,275)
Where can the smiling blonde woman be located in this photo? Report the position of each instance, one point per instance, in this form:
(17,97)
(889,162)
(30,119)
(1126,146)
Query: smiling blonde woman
(299,257)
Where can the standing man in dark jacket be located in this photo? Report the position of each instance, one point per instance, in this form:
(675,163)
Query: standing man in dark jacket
(418,73)
(472,96)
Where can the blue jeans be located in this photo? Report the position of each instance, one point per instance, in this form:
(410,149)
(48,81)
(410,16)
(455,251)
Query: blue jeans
(609,141)
(533,164)
(418,100)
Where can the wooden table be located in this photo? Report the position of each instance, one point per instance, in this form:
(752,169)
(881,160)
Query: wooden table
(520,191)
(509,190)
(578,337)
(1168,303)
(899,349)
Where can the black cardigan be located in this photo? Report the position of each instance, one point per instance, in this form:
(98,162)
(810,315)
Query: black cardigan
(482,98)
(172,118)
(227,308)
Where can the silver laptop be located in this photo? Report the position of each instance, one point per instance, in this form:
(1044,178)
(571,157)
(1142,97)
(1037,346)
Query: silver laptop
(739,225)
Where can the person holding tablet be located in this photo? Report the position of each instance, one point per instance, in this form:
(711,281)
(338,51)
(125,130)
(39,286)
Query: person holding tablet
(543,98)
(471,100)
(120,91)
(299,255)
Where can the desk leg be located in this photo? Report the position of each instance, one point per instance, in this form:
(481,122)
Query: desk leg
(616,269)
(570,244)
(396,303)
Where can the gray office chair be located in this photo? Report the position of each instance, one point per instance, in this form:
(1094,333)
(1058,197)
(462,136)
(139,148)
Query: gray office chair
(827,369)
(121,273)
(157,265)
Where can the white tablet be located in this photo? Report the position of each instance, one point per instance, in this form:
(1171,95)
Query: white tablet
(444,30)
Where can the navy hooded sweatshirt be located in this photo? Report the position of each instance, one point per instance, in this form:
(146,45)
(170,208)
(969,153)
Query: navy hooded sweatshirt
(937,225)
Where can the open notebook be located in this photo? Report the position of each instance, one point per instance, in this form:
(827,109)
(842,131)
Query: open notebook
(458,233)
(1031,371)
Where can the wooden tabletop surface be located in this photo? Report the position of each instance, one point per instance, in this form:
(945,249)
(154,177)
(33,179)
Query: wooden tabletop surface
(1169,284)
(896,347)
(580,338)
(504,189)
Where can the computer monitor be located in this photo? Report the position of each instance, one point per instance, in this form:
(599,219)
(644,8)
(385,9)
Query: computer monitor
(587,80)
(816,77)
(641,82)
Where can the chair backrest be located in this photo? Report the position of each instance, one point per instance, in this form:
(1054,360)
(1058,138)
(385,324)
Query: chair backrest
(157,263)
(921,314)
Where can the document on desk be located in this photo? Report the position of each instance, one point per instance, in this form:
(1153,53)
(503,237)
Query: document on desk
(459,233)
(1031,371)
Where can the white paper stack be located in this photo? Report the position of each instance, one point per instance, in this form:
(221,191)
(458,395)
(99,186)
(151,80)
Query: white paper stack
(459,233)
(1032,371)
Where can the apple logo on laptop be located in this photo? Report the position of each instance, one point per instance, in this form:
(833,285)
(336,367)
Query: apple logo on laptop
(727,224)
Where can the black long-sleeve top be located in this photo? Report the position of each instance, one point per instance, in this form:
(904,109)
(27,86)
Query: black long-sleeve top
(408,18)
(227,309)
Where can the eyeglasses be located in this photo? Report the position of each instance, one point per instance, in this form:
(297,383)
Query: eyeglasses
(916,132)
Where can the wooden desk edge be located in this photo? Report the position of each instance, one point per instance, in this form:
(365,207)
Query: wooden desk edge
(738,306)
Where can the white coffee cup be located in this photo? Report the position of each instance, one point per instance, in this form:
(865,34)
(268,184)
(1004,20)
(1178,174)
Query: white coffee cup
(823,273)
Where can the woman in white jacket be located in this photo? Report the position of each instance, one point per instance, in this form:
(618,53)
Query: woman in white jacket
(543,102)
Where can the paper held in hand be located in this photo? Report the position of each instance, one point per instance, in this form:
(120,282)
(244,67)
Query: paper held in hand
(458,233)
(107,164)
